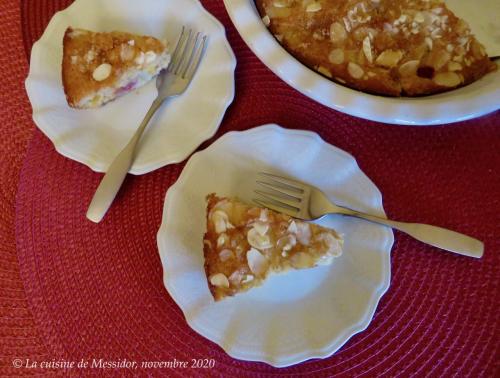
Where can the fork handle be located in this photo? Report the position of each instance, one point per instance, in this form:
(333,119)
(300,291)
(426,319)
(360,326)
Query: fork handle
(436,236)
(113,179)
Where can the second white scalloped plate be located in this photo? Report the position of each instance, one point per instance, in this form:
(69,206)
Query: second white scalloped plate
(472,101)
(304,314)
(95,136)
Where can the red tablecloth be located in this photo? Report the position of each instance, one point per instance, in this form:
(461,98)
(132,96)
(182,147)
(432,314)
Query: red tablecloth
(73,290)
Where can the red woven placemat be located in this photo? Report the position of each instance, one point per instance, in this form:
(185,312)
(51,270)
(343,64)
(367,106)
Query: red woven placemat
(72,290)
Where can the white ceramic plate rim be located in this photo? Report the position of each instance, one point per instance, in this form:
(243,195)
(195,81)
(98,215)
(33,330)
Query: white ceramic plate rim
(278,360)
(454,106)
(92,161)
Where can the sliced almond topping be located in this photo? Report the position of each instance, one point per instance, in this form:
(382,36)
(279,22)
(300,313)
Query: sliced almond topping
(264,215)
(409,68)
(257,262)
(257,240)
(337,33)
(280,3)
(324,71)
(389,58)
(221,240)
(219,280)
(89,56)
(355,70)
(102,72)
(261,227)
(428,42)
(439,58)
(226,254)
(447,79)
(248,278)
(292,228)
(336,56)
(333,244)
(237,276)
(367,49)
(477,50)
(303,233)
(454,66)
(287,242)
(266,20)
(313,7)
(220,220)
(126,52)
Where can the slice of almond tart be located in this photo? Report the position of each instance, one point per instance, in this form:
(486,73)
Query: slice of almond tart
(244,244)
(99,67)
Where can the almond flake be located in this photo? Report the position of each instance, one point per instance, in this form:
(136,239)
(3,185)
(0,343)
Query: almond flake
(248,278)
(409,68)
(219,280)
(257,240)
(257,262)
(313,7)
(102,72)
(447,79)
(367,49)
(355,70)
(225,254)
(336,56)
(454,66)
(292,227)
(337,32)
(389,58)
(280,4)
(324,71)
(428,42)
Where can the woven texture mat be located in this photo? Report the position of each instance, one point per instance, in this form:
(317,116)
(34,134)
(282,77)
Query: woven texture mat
(73,290)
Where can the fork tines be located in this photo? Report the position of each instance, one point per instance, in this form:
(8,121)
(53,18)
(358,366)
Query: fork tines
(187,54)
(281,194)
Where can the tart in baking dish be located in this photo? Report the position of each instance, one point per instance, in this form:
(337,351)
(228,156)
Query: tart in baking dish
(99,67)
(389,47)
(244,244)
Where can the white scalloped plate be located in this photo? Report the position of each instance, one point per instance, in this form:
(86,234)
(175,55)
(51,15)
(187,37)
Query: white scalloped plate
(472,101)
(94,137)
(299,315)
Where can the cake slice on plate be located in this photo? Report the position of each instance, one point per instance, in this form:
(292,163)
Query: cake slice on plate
(244,244)
(99,67)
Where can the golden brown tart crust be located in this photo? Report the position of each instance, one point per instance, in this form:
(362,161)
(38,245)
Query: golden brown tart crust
(388,47)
